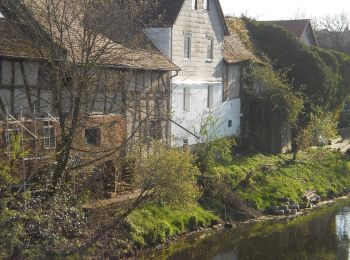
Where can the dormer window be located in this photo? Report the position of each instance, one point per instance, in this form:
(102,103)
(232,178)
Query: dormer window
(206,5)
(194,4)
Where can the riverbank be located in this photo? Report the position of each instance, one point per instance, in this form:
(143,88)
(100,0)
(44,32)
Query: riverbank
(261,181)
(261,225)
(307,235)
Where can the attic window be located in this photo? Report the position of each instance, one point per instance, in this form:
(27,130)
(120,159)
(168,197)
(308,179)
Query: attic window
(194,4)
(206,5)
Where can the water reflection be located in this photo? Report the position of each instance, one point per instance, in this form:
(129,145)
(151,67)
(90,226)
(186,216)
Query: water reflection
(342,222)
(323,234)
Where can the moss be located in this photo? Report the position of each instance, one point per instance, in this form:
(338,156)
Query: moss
(273,177)
(152,225)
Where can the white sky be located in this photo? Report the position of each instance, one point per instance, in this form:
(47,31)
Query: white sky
(281,9)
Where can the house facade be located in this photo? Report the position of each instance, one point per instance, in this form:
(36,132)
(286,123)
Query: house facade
(128,100)
(206,90)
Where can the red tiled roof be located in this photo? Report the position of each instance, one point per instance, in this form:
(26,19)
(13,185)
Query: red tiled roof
(297,27)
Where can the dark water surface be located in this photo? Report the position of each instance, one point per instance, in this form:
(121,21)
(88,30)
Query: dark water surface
(321,234)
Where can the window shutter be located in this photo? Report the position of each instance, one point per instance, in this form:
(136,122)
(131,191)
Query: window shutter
(187,46)
(210,54)
(187,99)
(210,97)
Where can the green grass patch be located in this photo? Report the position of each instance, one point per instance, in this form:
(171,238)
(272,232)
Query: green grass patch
(262,180)
(152,225)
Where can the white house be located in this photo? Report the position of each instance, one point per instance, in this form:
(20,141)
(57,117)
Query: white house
(191,34)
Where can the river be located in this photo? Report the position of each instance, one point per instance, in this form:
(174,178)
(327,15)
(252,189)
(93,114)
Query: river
(320,234)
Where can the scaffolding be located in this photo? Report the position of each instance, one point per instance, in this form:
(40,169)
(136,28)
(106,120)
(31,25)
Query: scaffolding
(27,130)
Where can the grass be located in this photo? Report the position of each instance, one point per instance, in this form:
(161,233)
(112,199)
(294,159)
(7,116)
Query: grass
(262,180)
(152,225)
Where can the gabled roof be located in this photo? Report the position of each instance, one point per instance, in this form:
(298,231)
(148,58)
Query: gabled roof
(168,11)
(297,27)
(16,42)
(236,52)
(238,46)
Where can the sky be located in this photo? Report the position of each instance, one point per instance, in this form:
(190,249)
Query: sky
(281,9)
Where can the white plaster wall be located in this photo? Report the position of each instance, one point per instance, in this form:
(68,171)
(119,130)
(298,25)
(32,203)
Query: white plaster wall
(161,38)
(222,112)
(197,73)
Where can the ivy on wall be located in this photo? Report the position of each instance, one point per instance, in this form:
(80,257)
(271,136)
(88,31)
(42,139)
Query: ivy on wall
(286,90)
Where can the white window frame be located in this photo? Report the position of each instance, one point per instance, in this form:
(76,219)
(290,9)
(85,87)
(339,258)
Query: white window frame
(187,100)
(188,42)
(206,5)
(210,48)
(47,139)
(194,4)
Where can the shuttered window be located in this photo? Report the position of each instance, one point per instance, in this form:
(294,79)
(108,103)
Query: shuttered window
(187,99)
(187,46)
(210,97)
(210,49)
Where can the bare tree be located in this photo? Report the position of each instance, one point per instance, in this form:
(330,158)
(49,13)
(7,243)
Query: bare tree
(78,40)
(333,32)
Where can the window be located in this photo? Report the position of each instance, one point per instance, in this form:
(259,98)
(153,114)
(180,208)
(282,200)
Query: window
(210,97)
(206,5)
(187,99)
(11,135)
(194,4)
(229,123)
(187,46)
(210,48)
(49,136)
(185,142)
(92,136)
(2,16)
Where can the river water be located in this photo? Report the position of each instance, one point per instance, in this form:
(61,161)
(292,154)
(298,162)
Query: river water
(321,234)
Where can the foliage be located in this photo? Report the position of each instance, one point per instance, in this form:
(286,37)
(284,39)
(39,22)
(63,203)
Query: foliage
(262,180)
(32,224)
(152,225)
(212,149)
(270,105)
(320,128)
(272,89)
(168,176)
(319,74)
